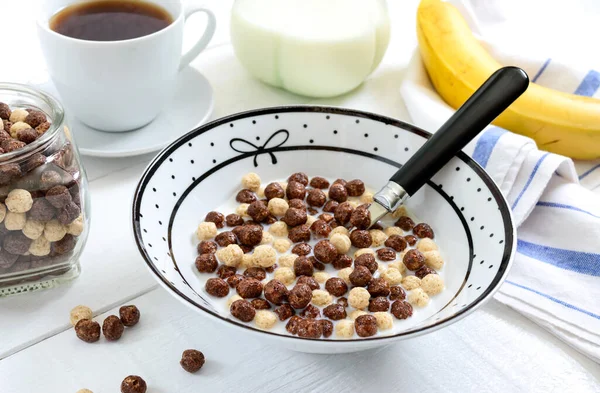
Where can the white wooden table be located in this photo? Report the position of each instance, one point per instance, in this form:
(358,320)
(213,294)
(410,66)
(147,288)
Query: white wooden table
(494,350)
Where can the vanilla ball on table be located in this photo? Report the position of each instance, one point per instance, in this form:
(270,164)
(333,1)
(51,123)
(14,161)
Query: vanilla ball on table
(80,312)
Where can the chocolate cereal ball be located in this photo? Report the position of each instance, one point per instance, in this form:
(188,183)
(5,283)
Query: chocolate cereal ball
(258,210)
(355,188)
(310,312)
(397,242)
(234,220)
(234,280)
(35,118)
(133,384)
(335,312)
(88,330)
(245,196)
(217,287)
(217,218)
(255,272)
(58,196)
(249,235)
(405,222)
(292,325)
(309,328)
(361,238)
(336,286)
(316,197)
(320,228)
(192,360)
(242,310)
(276,292)
(300,296)
(226,238)
(284,312)
(343,213)
(206,263)
(298,234)
(378,304)
(360,218)
(423,230)
(274,190)
(130,315)
(423,271)
(411,240)
(249,288)
(397,293)
(378,287)
(360,276)
(367,260)
(112,328)
(4,111)
(297,204)
(401,309)
(299,177)
(330,206)
(225,271)
(365,326)
(326,327)
(386,254)
(310,281)
(414,260)
(260,304)
(342,261)
(294,217)
(338,193)
(301,249)
(319,182)
(325,251)
(295,190)
(303,267)
(207,247)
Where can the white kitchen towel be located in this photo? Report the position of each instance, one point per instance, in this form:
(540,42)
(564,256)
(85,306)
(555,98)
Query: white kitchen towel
(555,279)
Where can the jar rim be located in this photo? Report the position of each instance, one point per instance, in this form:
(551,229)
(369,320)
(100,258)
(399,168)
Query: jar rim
(57,117)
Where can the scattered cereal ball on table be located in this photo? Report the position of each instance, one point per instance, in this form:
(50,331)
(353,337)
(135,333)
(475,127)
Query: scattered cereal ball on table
(344,274)
(112,328)
(321,277)
(392,276)
(426,244)
(242,310)
(130,315)
(359,298)
(432,284)
(433,259)
(133,384)
(192,360)
(19,201)
(365,326)
(40,247)
(251,181)
(230,255)
(33,229)
(321,298)
(87,330)
(418,297)
(78,313)
(344,329)
(285,275)
(265,319)
(206,231)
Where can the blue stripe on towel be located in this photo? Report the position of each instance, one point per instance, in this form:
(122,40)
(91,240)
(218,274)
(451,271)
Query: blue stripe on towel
(592,169)
(576,261)
(531,176)
(555,300)
(541,70)
(589,85)
(563,206)
(485,145)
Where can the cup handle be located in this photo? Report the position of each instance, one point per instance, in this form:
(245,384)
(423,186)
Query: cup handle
(203,41)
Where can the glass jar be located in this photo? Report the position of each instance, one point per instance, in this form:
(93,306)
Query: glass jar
(44,203)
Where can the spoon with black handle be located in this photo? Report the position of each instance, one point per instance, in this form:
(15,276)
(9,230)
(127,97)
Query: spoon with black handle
(489,101)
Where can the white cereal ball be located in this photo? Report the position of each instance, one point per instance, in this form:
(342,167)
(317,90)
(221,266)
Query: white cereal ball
(233,299)
(206,230)
(344,329)
(287,260)
(15,221)
(367,197)
(19,201)
(279,228)
(80,312)
(261,192)
(418,297)
(84,391)
(230,255)
(356,313)
(384,320)
(426,244)
(321,277)
(399,212)
(282,245)
(265,319)
(242,210)
(18,115)
(359,298)
(33,229)
(251,181)
(321,298)
(432,284)
(264,256)
(344,274)
(392,276)
(398,264)
(76,227)
(378,236)
(267,238)
(285,275)
(389,231)
(40,247)
(341,242)
(310,220)
(277,207)
(381,268)
(433,259)
(283,184)
(2,211)
(340,229)
(18,126)
(247,261)
(362,251)
(411,282)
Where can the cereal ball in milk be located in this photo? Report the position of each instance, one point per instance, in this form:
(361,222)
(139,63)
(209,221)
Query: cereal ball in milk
(341,242)
(311,220)
(367,197)
(267,238)
(418,297)
(344,329)
(278,207)
(84,391)
(230,255)
(40,247)
(399,212)
(76,227)
(362,251)
(321,277)
(246,261)
(321,298)
(282,245)
(433,259)
(411,282)
(242,209)
(392,276)
(80,312)
(19,201)
(339,230)
(426,244)
(265,319)
(206,231)
(393,231)
(285,275)
(261,192)
(398,264)
(251,181)
(432,284)
(287,260)
(2,211)
(279,228)
(384,320)
(15,221)
(356,313)
(33,229)
(359,298)
(344,274)
(378,236)
(233,299)
(264,256)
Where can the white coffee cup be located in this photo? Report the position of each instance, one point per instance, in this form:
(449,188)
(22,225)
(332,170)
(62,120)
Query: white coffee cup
(119,85)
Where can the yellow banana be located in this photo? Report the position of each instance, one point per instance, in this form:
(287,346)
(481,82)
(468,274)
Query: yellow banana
(458,64)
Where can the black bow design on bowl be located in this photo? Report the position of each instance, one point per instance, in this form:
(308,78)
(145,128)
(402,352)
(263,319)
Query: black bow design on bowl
(260,149)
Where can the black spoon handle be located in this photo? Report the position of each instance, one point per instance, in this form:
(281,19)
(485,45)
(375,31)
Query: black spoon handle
(489,101)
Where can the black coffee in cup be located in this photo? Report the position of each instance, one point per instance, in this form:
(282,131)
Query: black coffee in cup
(110,20)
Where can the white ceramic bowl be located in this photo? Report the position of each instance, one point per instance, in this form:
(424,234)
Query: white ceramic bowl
(202,169)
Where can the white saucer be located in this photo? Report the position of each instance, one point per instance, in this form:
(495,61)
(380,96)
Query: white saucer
(191,107)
